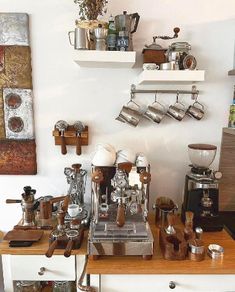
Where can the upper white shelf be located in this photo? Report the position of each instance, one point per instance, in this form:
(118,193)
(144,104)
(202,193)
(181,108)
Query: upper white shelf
(153,76)
(104,59)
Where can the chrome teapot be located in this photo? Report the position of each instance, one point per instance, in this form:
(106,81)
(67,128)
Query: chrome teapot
(128,22)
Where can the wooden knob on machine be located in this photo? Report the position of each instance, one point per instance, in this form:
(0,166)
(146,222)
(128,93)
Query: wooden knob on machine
(97,176)
(145,177)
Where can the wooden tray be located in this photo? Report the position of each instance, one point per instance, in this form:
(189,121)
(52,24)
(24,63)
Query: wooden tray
(23,235)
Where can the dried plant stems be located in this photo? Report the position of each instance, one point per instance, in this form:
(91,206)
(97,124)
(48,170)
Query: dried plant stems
(91,9)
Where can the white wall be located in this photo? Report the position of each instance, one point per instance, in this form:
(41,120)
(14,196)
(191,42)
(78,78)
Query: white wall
(62,90)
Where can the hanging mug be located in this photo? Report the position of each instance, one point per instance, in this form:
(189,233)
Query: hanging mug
(155,114)
(196,110)
(177,111)
(130,115)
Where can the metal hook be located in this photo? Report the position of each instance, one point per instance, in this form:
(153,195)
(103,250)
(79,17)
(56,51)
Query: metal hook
(177,96)
(155,99)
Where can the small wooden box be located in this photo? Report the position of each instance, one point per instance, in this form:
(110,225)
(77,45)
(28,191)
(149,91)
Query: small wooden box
(154,56)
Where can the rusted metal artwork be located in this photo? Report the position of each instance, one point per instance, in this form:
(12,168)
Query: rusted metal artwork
(17,138)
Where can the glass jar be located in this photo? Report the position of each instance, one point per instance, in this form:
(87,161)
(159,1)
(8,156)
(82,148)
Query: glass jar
(28,286)
(62,286)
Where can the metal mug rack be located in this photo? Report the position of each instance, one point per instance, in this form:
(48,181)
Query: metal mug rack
(194,92)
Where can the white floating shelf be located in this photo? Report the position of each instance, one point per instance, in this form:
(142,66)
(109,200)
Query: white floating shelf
(104,59)
(154,76)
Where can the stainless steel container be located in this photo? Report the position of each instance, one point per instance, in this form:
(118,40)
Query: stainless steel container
(163,207)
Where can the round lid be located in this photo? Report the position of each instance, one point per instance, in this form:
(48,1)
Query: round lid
(202,146)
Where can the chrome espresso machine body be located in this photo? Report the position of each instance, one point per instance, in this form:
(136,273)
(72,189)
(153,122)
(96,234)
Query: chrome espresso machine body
(76,178)
(119,224)
(201,191)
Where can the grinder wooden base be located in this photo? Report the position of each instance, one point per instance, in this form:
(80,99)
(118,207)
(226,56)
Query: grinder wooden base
(173,246)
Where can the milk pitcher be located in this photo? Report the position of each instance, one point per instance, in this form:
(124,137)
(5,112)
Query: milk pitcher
(79,39)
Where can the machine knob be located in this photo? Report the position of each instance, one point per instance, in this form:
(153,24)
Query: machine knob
(41,272)
(172,285)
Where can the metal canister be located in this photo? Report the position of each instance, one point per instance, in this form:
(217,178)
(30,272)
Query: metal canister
(163,207)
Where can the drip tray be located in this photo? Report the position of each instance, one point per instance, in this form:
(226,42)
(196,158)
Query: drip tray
(112,231)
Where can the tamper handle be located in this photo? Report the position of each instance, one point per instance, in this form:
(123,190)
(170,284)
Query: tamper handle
(120,215)
(60,217)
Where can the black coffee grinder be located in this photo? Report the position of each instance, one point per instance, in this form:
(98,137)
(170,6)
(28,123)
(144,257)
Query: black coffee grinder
(201,191)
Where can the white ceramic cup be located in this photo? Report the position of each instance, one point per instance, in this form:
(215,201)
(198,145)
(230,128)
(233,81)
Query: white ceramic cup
(74,210)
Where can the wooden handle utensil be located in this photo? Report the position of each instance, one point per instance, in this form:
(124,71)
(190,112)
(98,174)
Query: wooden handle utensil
(120,220)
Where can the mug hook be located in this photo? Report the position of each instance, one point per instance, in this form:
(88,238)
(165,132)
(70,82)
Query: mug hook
(177,96)
(132,101)
(155,99)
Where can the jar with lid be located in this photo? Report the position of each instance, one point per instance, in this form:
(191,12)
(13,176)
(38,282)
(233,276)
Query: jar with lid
(28,286)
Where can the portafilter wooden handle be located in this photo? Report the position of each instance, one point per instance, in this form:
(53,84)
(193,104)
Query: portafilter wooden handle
(79,145)
(68,248)
(63,145)
(51,249)
(12,201)
(120,220)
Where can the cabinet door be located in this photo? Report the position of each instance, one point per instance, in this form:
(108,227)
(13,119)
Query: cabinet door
(27,267)
(161,283)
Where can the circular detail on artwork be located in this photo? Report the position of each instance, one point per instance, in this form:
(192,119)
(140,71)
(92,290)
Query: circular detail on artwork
(15,124)
(13,100)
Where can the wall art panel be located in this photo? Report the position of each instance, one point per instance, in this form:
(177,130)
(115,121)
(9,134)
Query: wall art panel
(17,138)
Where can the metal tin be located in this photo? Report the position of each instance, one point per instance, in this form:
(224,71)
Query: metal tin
(215,251)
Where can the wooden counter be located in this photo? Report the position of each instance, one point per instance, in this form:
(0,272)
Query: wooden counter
(158,265)
(40,247)
(136,265)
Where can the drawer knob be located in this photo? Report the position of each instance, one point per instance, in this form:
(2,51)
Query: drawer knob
(41,272)
(172,285)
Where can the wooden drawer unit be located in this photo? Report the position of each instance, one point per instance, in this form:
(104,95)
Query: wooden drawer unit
(27,267)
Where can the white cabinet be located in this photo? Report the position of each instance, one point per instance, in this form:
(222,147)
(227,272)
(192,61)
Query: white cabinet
(28,267)
(161,283)
(40,268)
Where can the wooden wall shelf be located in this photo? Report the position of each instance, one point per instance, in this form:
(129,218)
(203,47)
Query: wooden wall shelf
(71,136)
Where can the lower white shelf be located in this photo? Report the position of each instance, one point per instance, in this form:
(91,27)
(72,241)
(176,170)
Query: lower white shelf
(104,59)
(153,76)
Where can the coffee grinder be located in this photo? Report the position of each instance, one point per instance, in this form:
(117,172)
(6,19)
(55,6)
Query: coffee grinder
(201,191)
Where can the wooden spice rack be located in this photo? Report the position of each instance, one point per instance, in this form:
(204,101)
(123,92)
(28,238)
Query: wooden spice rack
(71,136)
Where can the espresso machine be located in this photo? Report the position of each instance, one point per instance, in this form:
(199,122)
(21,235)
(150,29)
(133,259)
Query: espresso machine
(76,178)
(28,205)
(201,191)
(120,196)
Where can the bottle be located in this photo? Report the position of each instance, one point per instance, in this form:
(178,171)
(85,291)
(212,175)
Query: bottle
(112,34)
(123,40)
(231,123)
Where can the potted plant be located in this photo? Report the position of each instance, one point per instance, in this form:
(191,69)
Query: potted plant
(89,11)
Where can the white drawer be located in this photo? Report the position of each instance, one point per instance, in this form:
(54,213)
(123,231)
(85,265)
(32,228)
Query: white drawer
(160,283)
(26,267)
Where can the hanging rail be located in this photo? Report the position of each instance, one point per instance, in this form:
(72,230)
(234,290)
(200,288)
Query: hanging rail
(194,92)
